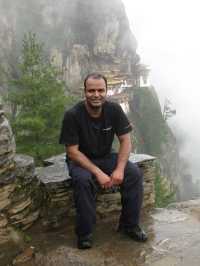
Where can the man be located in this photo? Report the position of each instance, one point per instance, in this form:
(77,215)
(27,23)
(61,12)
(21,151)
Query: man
(87,131)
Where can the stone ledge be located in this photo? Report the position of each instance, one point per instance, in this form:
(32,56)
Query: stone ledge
(56,183)
(56,169)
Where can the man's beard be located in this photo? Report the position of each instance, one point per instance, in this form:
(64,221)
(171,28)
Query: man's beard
(95,108)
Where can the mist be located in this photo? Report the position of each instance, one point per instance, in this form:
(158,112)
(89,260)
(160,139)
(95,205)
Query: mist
(168,41)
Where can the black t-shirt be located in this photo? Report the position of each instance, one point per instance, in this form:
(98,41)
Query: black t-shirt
(94,135)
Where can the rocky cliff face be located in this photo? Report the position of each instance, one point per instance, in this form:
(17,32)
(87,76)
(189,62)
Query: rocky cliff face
(81,36)
(153,136)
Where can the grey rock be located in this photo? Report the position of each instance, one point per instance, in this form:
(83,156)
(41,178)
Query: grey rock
(25,167)
(3,221)
(53,174)
(19,206)
(7,151)
(7,143)
(58,159)
(5,193)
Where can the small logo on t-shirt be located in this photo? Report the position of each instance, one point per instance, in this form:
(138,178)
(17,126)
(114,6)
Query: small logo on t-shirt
(107,129)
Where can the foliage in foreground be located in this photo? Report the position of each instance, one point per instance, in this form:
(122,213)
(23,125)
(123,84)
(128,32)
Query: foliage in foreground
(37,101)
(164,195)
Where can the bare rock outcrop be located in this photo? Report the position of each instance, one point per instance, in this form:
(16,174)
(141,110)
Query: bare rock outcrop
(7,152)
(19,188)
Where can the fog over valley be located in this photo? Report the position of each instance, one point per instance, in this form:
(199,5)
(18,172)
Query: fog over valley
(168,41)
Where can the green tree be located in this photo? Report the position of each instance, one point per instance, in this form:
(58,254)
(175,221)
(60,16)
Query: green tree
(38,100)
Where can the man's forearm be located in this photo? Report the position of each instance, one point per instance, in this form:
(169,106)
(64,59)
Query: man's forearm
(85,162)
(123,153)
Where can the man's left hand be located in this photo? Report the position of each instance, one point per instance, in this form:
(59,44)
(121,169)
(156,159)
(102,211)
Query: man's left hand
(117,177)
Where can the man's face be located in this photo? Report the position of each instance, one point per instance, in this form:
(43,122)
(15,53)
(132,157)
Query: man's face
(95,92)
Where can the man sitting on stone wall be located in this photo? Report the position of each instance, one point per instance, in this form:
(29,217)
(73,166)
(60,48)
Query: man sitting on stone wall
(88,131)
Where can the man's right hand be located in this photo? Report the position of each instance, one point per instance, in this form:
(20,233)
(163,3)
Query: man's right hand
(104,180)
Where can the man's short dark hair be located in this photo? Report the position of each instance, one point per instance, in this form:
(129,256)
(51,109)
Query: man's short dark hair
(95,76)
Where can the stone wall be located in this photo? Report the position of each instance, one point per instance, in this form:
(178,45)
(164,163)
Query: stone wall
(28,193)
(20,191)
(7,176)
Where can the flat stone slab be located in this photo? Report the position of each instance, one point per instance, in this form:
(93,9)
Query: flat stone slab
(58,159)
(25,166)
(141,158)
(56,173)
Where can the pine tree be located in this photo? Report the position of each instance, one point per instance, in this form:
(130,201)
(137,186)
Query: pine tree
(38,102)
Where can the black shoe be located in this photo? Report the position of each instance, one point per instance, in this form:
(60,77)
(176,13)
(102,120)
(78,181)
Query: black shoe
(136,233)
(85,242)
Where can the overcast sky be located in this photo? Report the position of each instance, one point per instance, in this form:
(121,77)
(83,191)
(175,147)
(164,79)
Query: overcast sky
(168,38)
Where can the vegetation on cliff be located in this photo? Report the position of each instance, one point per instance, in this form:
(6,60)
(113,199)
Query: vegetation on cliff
(151,134)
(150,127)
(164,194)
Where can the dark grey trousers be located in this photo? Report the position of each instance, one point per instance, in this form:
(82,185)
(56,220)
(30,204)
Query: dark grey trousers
(85,190)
